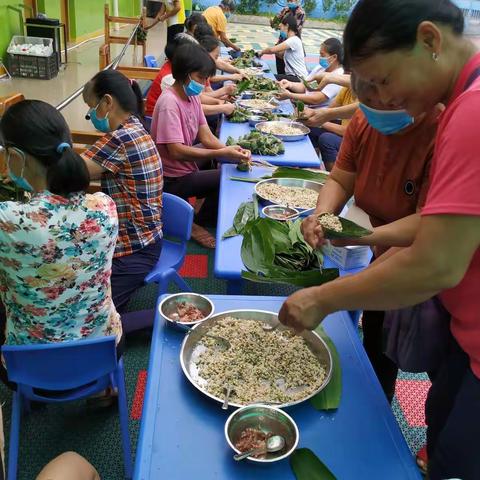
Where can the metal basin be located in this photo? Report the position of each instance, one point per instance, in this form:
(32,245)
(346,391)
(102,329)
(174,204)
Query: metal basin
(261,127)
(188,351)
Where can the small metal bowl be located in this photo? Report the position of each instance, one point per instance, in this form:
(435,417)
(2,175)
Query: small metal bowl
(248,95)
(254,119)
(168,306)
(267,419)
(271,210)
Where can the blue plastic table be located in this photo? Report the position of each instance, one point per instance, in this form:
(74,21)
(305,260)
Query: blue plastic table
(181,434)
(228,263)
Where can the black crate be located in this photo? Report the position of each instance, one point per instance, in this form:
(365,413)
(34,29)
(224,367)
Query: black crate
(29,66)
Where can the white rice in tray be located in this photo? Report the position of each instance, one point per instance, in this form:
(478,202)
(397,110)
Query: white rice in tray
(269,366)
(298,197)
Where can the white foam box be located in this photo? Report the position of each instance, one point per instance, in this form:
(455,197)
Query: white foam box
(348,257)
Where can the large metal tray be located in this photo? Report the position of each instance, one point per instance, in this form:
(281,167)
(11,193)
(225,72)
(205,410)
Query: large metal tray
(314,341)
(290,182)
(286,138)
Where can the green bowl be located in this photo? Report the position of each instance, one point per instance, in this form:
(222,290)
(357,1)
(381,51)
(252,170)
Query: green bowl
(267,419)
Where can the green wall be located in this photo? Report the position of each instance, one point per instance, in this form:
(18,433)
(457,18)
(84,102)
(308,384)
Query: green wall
(51,8)
(10,25)
(86,16)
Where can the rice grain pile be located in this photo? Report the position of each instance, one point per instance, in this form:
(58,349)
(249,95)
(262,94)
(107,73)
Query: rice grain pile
(330,221)
(298,197)
(270,366)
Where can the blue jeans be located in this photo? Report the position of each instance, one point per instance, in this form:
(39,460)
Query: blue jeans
(328,143)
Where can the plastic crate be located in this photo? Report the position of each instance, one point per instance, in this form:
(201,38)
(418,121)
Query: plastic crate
(29,66)
(21,40)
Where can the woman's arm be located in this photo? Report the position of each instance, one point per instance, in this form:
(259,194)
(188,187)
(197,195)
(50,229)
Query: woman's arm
(94,169)
(317,118)
(225,108)
(281,47)
(226,67)
(224,39)
(334,128)
(176,8)
(314,98)
(326,78)
(159,18)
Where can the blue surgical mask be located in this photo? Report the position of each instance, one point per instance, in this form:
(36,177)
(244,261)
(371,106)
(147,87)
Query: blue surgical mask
(100,124)
(292,6)
(387,122)
(323,62)
(283,35)
(193,88)
(227,15)
(20,181)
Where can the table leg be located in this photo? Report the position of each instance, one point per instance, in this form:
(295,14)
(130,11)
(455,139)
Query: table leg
(234,287)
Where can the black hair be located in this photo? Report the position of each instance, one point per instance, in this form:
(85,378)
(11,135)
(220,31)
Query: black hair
(334,46)
(179,39)
(191,58)
(38,129)
(209,43)
(385,25)
(230,4)
(193,21)
(203,30)
(127,93)
(291,22)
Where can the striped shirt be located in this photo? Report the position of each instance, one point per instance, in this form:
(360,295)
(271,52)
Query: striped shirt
(134,180)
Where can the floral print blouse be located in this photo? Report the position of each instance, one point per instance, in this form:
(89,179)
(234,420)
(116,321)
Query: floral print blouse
(55,266)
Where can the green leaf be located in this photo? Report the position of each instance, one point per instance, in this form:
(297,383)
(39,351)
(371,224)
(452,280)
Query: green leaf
(290,172)
(244,214)
(231,232)
(247,180)
(329,398)
(307,466)
(349,230)
(307,279)
(243,85)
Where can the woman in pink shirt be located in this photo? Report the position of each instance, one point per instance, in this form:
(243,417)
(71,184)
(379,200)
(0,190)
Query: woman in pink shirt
(178,124)
(414,53)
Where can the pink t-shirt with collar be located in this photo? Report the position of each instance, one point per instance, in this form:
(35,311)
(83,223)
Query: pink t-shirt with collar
(455,190)
(176,121)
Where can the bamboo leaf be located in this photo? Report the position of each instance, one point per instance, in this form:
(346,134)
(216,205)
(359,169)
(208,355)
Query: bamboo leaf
(349,229)
(290,172)
(300,279)
(307,466)
(329,398)
(244,214)
(247,180)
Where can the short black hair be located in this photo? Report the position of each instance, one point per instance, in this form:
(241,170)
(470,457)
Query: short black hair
(203,30)
(209,43)
(191,58)
(193,21)
(291,22)
(37,128)
(179,39)
(334,46)
(230,4)
(377,26)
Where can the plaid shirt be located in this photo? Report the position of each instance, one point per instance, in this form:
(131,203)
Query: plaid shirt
(134,180)
(299,15)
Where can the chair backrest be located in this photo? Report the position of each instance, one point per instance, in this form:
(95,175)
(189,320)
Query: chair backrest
(177,218)
(150,61)
(61,366)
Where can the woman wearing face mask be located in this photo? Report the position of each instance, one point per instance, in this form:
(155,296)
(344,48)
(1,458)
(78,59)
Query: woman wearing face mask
(57,248)
(292,50)
(331,59)
(130,169)
(384,162)
(413,51)
(178,123)
(292,8)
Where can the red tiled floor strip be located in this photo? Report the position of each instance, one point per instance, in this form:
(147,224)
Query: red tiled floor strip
(195,266)
(137,405)
(411,395)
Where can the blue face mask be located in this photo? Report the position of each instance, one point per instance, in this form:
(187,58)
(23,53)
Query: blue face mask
(323,62)
(20,181)
(292,6)
(100,124)
(283,35)
(387,122)
(193,88)
(227,15)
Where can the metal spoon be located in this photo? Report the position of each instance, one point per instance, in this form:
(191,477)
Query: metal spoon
(273,444)
(228,391)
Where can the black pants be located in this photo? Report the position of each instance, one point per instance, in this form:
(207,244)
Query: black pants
(202,184)
(129,272)
(453,419)
(172,31)
(280,65)
(290,78)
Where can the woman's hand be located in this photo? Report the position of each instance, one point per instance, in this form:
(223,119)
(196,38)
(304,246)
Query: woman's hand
(303,310)
(313,232)
(230,89)
(237,77)
(237,153)
(315,118)
(228,108)
(283,94)
(285,84)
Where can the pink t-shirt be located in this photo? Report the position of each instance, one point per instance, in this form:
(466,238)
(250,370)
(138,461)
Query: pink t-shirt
(455,189)
(176,121)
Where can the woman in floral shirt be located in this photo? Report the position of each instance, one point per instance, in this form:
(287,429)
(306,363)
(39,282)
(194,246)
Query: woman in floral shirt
(56,249)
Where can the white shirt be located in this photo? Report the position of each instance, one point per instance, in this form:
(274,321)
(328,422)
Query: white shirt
(295,58)
(330,91)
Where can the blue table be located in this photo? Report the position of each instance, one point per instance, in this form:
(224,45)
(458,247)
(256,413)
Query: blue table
(181,434)
(228,263)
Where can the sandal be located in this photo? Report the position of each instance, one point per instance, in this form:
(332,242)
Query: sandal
(202,236)
(104,399)
(422,459)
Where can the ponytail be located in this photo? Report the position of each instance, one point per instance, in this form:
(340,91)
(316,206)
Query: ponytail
(38,129)
(68,174)
(140,112)
(291,22)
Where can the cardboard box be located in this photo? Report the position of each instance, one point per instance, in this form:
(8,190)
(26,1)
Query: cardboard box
(348,257)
